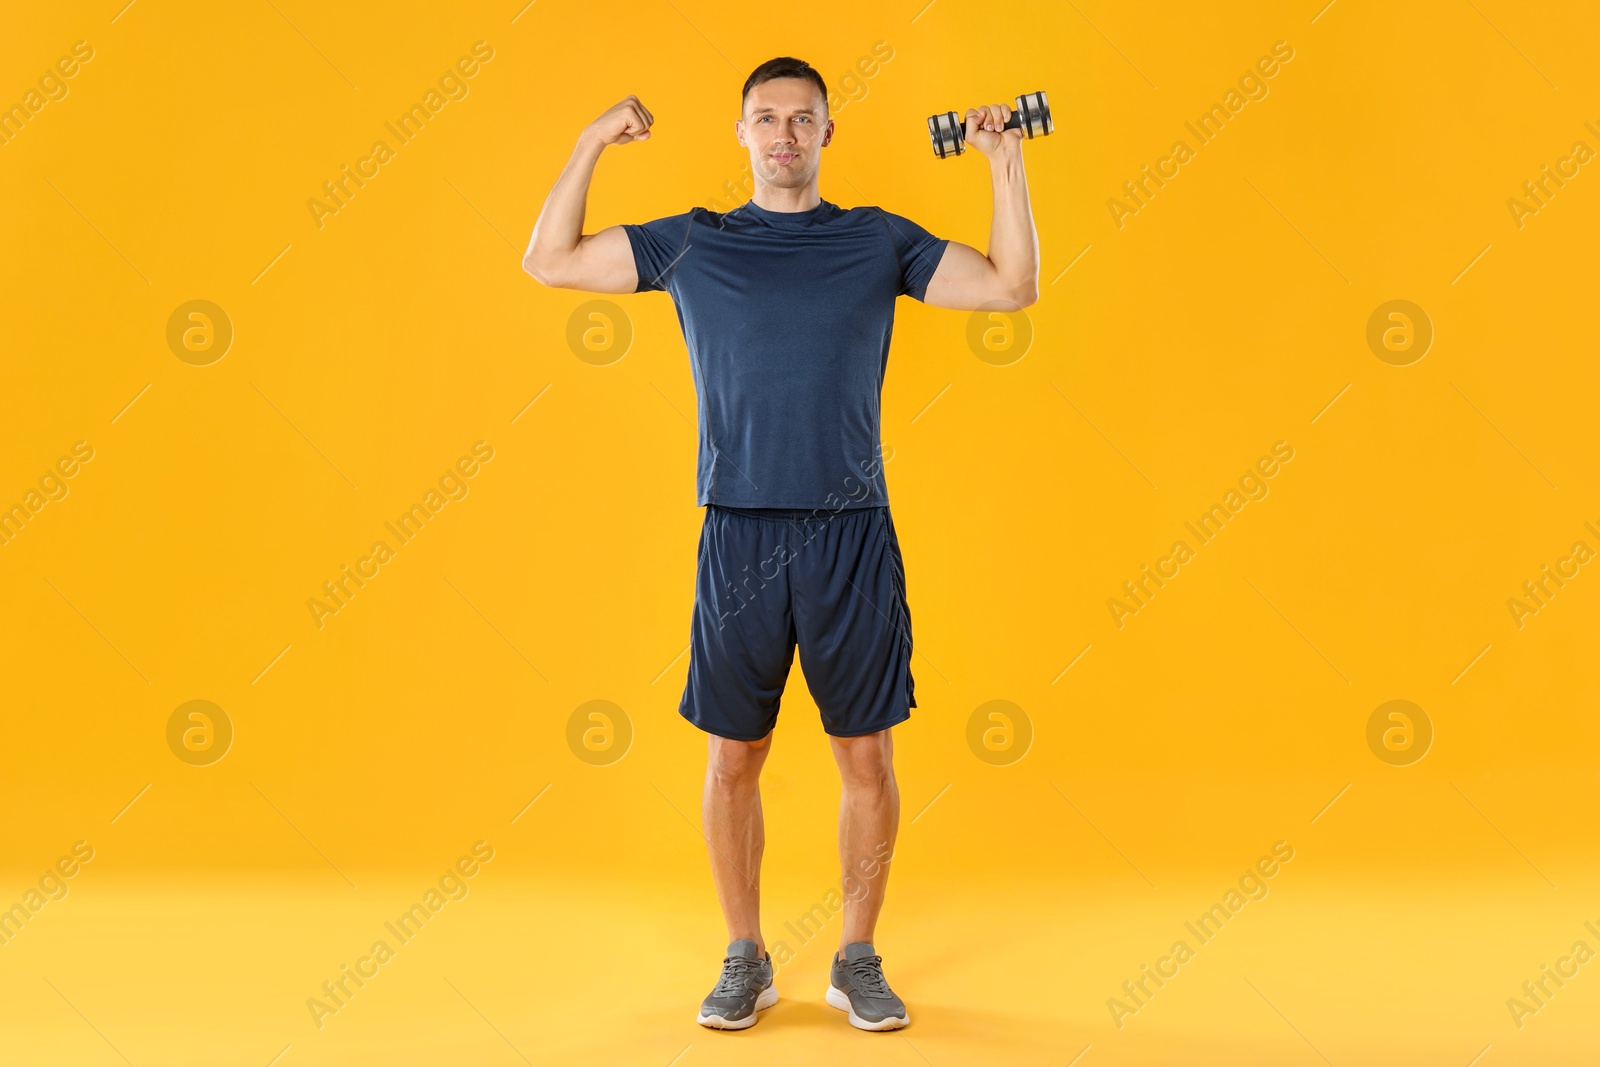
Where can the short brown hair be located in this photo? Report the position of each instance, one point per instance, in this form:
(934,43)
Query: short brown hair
(784,67)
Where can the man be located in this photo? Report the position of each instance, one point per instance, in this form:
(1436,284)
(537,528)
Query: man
(786,305)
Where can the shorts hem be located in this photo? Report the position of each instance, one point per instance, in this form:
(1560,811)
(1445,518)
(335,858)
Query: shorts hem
(868,730)
(718,733)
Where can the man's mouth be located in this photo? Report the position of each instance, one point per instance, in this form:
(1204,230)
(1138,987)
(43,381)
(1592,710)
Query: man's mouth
(783,157)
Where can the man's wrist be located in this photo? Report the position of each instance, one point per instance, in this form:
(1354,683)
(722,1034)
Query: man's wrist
(1007,155)
(1006,163)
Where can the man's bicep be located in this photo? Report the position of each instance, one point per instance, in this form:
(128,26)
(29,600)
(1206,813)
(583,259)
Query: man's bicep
(964,280)
(603,263)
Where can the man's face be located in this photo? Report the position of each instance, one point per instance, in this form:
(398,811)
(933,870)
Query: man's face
(785,125)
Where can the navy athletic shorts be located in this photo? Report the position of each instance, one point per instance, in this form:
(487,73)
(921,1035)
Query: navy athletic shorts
(831,582)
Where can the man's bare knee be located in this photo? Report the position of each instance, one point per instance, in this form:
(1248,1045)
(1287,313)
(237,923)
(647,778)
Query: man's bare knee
(737,762)
(867,760)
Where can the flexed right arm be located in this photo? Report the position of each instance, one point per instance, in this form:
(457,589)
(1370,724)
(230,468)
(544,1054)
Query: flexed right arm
(560,254)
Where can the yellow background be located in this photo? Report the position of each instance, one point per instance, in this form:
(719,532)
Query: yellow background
(425,716)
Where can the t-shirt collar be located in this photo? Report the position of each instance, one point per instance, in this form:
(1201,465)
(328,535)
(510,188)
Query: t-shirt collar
(789,219)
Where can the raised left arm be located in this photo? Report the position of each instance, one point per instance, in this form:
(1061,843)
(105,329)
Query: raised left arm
(1008,277)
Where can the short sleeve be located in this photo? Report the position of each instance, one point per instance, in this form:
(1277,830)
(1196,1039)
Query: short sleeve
(657,247)
(917,251)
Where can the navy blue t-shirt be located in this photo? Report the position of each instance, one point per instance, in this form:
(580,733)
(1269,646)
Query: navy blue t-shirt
(787,317)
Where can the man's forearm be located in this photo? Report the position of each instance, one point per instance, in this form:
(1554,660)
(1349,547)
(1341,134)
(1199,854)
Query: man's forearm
(1013,241)
(560,223)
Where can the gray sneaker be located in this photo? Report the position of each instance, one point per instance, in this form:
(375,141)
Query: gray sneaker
(744,989)
(857,986)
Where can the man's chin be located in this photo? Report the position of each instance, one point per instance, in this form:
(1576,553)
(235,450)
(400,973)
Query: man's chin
(784,177)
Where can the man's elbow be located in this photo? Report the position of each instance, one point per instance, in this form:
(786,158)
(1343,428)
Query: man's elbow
(543,270)
(1015,297)
(1026,291)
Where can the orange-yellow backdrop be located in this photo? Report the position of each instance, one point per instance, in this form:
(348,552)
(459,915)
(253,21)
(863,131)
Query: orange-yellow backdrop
(1178,339)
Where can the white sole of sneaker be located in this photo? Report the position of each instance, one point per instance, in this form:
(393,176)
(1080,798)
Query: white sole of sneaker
(768,997)
(839,999)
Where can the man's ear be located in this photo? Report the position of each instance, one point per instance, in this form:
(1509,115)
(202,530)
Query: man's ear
(827,133)
(738,131)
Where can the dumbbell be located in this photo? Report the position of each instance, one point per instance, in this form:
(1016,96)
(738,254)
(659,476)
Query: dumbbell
(1031,115)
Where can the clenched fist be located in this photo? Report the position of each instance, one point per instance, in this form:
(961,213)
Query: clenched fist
(623,122)
(985,129)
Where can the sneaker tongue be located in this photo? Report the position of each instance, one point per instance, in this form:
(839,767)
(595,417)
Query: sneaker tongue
(858,950)
(746,948)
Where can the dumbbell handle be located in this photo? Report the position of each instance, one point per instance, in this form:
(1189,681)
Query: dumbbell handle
(1013,123)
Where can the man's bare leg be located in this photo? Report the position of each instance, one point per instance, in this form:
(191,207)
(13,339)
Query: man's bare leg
(869,818)
(735,832)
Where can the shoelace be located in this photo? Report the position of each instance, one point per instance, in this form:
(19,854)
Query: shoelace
(866,974)
(735,972)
